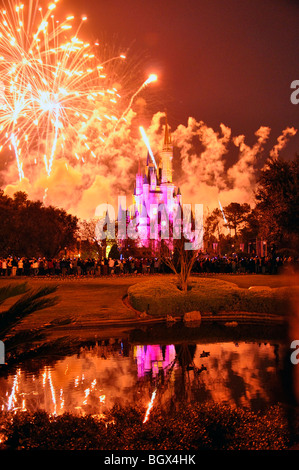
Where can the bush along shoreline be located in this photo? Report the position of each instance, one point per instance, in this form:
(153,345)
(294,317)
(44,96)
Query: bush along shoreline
(162,298)
(203,426)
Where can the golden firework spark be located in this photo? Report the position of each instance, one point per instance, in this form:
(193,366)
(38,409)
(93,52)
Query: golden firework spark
(51,83)
(150,406)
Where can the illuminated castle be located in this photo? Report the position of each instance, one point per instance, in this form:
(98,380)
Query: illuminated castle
(154,190)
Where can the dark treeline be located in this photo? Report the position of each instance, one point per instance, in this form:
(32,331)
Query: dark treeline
(274,217)
(29,228)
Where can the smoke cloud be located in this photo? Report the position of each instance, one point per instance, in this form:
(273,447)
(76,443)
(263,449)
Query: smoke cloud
(209,165)
(282,141)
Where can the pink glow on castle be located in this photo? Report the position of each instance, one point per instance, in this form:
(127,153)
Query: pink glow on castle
(150,359)
(155,189)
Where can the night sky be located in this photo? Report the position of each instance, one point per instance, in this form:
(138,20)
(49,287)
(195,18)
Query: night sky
(227,64)
(217,61)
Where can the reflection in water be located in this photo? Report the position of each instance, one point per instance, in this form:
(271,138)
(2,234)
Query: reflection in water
(244,374)
(153,358)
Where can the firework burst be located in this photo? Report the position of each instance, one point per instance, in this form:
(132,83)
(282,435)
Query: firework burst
(52,85)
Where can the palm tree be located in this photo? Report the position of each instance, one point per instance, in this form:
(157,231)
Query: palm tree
(26,343)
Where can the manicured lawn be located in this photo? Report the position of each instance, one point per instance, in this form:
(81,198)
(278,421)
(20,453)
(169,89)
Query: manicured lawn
(248,280)
(89,302)
(94,302)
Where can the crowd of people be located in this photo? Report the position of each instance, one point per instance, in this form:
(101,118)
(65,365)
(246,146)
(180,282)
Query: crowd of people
(250,265)
(13,266)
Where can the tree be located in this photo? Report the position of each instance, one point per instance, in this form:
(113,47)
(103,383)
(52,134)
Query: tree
(25,344)
(251,229)
(216,231)
(176,252)
(114,252)
(277,201)
(214,223)
(88,234)
(129,247)
(236,214)
(6,221)
(28,228)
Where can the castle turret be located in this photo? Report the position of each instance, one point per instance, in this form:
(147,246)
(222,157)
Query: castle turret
(139,181)
(155,193)
(179,197)
(153,179)
(166,156)
(146,189)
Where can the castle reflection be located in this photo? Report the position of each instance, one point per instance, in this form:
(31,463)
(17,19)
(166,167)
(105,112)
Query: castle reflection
(150,359)
(115,372)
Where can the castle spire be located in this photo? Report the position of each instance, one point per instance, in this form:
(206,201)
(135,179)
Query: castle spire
(166,155)
(167,138)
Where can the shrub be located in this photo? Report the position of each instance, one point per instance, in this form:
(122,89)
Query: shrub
(191,426)
(161,297)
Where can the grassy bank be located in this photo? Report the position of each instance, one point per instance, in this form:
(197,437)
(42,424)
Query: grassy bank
(93,303)
(161,297)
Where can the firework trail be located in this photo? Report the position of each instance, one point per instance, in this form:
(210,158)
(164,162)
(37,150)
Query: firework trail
(51,83)
(150,405)
(146,141)
(150,79)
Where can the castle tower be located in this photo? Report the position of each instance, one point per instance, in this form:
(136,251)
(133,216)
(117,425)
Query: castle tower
(155,193)
(139,180)
(166,156)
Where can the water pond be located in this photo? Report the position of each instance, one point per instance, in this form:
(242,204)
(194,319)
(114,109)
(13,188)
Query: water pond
(236,365)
